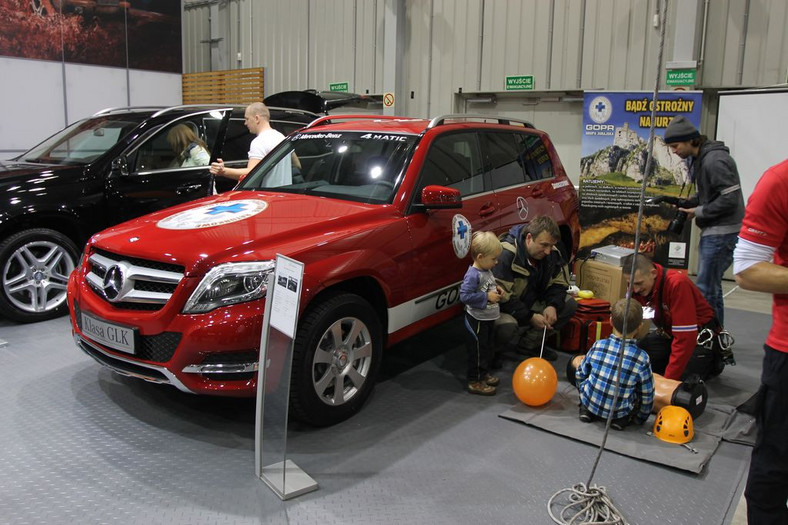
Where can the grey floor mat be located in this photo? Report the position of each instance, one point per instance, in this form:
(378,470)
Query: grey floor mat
(559,416)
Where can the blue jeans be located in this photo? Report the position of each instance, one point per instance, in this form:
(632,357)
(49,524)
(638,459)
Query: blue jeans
(716,255)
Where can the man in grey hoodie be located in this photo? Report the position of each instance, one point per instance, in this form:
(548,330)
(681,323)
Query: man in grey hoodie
(718,205)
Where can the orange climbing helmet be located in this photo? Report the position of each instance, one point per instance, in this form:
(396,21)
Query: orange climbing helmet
(674,425)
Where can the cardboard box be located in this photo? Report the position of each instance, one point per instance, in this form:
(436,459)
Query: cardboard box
(605,280)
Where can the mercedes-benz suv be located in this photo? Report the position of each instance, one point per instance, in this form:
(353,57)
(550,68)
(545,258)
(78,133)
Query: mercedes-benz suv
(379,210)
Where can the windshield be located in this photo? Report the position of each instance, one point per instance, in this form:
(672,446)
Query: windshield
(362,167)
(81,142)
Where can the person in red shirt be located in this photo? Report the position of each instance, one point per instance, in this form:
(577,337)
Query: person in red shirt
(680,313)
(760,263)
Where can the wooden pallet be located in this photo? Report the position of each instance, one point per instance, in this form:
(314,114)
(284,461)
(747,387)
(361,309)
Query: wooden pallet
(232,86)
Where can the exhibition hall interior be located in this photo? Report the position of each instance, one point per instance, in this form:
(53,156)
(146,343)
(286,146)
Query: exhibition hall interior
(391,261)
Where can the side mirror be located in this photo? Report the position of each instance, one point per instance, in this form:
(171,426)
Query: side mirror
(120,165)
(440,197)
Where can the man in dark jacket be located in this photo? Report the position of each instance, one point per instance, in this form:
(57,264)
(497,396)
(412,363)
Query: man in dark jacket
(718,205)
(534,278)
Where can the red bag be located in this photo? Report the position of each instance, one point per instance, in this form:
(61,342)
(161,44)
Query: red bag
(590,323)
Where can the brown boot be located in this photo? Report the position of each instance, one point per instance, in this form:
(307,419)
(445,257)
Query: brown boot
(480,388)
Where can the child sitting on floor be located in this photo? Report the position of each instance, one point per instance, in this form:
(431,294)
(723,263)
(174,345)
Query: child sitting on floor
(596,375)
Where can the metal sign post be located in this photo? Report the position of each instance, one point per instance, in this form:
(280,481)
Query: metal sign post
(282,475)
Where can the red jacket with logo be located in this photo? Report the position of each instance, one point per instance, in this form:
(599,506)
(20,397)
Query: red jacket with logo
(679,309)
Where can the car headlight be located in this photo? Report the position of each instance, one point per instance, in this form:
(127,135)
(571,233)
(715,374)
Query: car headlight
(230,283)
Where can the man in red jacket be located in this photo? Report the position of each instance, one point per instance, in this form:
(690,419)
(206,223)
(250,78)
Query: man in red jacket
(687,340)
(761,264)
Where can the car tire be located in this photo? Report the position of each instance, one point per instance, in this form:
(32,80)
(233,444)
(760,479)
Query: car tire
(319,364)
(34,269)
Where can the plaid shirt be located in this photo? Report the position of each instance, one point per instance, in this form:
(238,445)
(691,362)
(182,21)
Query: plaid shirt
(596,380)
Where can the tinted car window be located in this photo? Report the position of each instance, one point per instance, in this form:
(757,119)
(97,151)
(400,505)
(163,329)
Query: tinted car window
(534,157)
(516,158)
(81,142)
(157,153)
(502,156)
(236,143)
(453,161)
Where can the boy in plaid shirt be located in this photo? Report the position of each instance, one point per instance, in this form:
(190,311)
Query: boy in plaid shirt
(596,375)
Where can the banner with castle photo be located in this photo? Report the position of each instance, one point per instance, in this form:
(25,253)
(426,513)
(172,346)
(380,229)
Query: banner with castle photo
(614,150)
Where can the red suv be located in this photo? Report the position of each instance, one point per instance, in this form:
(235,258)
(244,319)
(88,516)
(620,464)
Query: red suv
(378,209)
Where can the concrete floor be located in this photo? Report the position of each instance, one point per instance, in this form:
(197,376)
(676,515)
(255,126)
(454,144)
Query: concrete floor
(82,445)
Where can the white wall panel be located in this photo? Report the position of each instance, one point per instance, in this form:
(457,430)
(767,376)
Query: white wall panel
(93,88)
(31,91)
(151,88)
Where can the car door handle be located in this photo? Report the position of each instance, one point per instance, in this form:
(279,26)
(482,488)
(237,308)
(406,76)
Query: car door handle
(487,209)
(189,188)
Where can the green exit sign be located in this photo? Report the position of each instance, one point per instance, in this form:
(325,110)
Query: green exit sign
(680,77)
(519,83)
(339,86)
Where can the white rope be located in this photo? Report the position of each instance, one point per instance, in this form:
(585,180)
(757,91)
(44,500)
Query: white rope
(590,505)
(580,505)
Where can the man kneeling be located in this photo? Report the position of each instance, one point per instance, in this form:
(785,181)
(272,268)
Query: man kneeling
(534,278)
(689,338)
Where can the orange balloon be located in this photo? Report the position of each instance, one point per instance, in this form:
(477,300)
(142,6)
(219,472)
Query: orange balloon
(534,381)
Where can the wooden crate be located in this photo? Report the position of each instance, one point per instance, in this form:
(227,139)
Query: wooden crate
(232,86)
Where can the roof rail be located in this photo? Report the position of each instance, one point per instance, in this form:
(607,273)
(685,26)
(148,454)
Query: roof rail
(107,111)
(198,106)
(360,116)
(439,121)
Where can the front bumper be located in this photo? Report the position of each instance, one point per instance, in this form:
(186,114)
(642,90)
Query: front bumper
(215,353)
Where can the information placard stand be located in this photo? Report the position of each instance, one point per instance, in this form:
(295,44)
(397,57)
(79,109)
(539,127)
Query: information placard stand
(283,476)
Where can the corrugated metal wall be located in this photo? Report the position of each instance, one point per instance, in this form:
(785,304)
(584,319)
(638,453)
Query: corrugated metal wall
(474,44)
(454,50)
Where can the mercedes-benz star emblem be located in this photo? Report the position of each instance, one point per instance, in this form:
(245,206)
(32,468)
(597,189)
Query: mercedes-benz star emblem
(113,282)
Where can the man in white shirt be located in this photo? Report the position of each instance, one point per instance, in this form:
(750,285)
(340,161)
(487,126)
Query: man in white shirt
(257,120)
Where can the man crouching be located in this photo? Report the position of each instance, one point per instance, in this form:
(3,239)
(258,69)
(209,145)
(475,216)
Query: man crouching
(534,278)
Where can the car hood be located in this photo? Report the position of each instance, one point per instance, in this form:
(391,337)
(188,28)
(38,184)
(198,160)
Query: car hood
(15,169)
(240,226)
(19,177)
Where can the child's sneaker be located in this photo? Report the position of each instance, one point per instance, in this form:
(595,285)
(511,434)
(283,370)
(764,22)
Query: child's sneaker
(480,388)
(585,415)
(491,380)
(619,424)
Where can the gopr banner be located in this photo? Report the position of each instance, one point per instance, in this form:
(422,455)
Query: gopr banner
(612,167)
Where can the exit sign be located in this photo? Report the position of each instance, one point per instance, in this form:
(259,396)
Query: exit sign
(680,77)
(519,83)
(339,86)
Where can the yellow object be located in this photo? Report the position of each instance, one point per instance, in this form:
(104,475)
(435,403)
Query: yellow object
(585,294)
(674,425)
(534,381)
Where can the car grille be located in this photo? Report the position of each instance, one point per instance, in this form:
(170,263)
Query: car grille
(157,348)
(131,283)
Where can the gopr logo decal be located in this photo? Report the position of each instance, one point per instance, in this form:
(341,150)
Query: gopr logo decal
(213,215)
(600,109)
(461,235)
